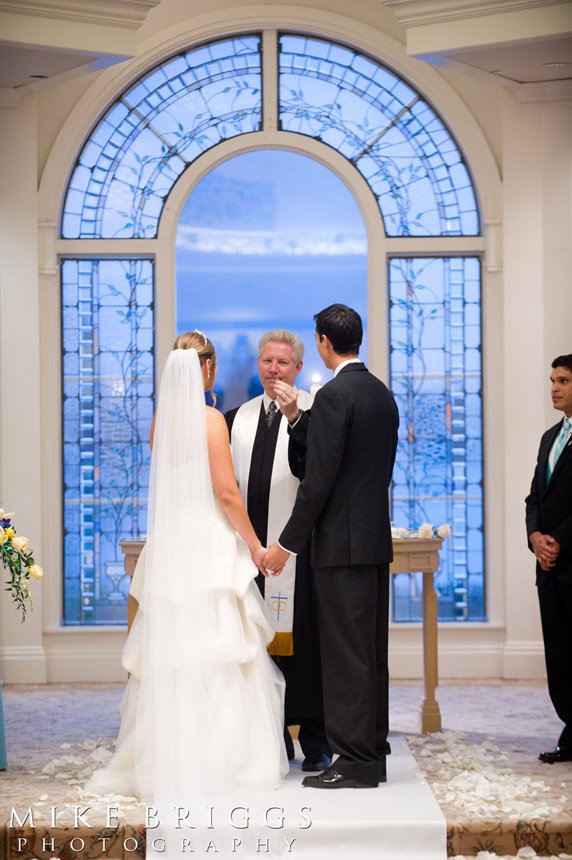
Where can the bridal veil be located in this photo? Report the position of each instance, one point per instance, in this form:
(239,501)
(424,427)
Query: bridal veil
(202,713)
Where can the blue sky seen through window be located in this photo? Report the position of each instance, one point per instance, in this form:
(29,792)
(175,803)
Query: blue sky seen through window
(266,240)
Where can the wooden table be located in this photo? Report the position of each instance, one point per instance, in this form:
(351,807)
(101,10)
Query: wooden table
(421,555)
(413,555)
(131,550)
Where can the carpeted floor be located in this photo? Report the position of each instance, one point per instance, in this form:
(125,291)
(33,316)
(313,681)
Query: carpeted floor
(483,768)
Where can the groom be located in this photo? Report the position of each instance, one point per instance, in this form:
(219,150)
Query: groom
(343,503)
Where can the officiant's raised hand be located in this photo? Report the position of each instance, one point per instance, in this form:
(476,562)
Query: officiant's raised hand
(287,399)
(275,559)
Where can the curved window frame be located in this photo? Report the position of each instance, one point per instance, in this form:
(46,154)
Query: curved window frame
(381,247)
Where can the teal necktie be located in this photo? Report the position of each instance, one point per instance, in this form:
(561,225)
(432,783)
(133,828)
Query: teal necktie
(560,445)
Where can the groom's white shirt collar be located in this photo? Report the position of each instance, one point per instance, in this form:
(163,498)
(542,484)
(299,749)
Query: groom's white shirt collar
(345,364)
(267,400)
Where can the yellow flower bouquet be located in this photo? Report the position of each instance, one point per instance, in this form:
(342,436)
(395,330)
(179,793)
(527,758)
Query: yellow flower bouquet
(19,562)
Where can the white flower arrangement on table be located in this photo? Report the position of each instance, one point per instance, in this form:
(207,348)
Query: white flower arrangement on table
(425,530)
(19,562)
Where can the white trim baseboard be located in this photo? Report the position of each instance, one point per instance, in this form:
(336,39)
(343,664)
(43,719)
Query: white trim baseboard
(74,656)
(523,659)
(23,664)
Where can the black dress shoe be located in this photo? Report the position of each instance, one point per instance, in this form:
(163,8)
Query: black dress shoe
(316,761)
(558,754)
(332,778)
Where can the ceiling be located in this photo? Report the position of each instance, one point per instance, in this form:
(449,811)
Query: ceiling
(535,62)
(516,43)
(43,42)
(20,67)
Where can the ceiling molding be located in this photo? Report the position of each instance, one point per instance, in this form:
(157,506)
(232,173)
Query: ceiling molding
(128,14)
(46,42)
(423,12)
(512,43)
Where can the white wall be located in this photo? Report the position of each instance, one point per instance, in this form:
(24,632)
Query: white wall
(537,162)
(20,456)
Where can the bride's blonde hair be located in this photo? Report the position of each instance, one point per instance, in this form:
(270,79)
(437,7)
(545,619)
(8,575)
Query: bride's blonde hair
(198,340)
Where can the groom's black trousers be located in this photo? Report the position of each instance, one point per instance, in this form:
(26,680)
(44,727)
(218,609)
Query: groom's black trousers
(353,605)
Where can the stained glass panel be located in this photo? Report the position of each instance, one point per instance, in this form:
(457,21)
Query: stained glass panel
(108,391)
(383,126)
(436,377)
(154,131)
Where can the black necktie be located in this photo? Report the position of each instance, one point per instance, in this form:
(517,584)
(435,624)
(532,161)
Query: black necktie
(271,413)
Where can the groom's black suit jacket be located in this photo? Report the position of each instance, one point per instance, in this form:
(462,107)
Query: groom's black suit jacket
(343,502)
(549,505)
(343,499)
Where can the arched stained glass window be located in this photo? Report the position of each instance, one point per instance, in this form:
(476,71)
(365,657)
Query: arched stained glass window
(194,101)
(154,131)
(138,151)
(384,127)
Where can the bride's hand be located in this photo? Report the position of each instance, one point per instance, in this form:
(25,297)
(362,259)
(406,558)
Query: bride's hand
(257,556)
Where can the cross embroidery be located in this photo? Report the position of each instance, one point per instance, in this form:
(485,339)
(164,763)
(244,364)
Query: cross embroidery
(279,603)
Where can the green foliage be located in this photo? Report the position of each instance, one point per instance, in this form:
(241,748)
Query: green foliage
(18,561)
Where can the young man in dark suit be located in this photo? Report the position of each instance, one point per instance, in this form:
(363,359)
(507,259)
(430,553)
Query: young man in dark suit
(549,530)
(343,503)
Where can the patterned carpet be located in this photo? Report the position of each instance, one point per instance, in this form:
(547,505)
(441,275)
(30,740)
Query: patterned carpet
(483,768)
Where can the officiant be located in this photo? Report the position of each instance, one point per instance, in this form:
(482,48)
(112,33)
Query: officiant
(259,441)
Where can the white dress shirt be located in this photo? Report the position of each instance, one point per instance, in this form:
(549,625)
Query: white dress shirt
(345,363)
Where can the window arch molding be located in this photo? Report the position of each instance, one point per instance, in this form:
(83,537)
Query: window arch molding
(280,140)
(388,51)
(86,114)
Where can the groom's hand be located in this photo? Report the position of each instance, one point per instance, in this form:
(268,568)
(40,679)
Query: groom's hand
(286,399)
(275,559)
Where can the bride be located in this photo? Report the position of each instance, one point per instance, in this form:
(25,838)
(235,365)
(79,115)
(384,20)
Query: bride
(202,712)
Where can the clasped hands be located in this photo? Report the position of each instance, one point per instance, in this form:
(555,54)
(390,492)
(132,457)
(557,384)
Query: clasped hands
(546,549)
(270,561)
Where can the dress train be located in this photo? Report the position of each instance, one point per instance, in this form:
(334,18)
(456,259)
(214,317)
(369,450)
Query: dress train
(211,721)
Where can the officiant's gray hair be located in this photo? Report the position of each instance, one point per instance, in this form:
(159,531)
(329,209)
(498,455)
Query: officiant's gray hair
(281,335)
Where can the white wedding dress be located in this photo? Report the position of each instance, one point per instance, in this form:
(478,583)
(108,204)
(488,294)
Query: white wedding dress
(202,713)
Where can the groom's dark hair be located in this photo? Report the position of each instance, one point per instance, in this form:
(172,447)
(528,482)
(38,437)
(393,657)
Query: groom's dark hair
(342,326)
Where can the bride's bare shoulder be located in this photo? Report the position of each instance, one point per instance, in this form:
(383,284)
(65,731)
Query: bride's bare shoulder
(214,417)
(217,431)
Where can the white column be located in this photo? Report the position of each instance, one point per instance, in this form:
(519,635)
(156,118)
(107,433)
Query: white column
(537,314)
(22,656)
(557,230)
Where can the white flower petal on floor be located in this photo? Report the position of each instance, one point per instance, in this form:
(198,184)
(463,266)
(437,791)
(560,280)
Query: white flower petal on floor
(486,713)
(523,854)
(474,778)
